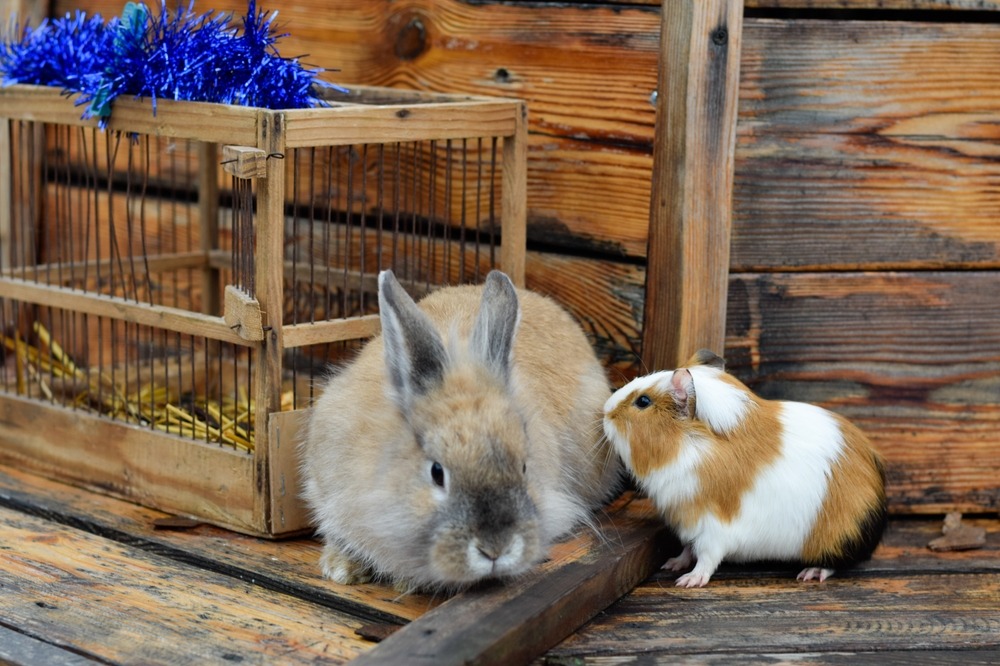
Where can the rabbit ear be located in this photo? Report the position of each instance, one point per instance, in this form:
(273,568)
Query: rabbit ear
(493,333)
(414,352)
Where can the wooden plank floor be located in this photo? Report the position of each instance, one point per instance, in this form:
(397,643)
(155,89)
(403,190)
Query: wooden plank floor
(87,579)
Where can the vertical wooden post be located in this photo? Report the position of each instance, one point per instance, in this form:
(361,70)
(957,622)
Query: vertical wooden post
(268,277)
(6,195)
(690,206)
(208,215)
(514,206)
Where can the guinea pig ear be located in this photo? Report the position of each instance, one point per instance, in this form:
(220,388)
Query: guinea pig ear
(707,357)
(492,338)
(682,389)
(414,352)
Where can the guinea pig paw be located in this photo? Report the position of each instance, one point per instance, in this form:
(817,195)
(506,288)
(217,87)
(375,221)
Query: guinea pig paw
(681,562)
(815,573)
(693,580)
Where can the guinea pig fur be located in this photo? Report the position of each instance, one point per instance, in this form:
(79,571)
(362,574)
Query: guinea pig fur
(740,478)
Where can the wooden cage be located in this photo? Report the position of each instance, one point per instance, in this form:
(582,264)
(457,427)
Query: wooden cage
(173,287)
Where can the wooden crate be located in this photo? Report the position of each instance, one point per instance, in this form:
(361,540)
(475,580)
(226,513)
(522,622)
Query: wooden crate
(212,257)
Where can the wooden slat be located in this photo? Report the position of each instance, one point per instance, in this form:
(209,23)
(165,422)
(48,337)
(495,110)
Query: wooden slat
(514,203)
(912,358)
(128,460)
(159,316)
(336,330)
(288,513)
(895,593)
(943,5)
(868,145)
(388,124)
(957,657)
(116,603)
(289,566)
(269,237)
(781,616)
(690,211)
(54,272)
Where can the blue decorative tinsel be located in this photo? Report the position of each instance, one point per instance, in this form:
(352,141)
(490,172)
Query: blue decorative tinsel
(171,55)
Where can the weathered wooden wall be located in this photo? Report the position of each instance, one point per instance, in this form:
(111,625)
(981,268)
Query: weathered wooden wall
(865,258)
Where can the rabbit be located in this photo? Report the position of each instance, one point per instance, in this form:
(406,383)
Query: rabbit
(461,442)
(741,478)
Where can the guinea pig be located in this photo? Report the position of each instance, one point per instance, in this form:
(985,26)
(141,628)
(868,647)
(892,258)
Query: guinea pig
(740,478)
(461,442)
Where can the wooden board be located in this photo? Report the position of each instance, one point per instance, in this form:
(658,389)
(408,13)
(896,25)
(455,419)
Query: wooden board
(110,601)
(290,567)
(868,145)
(905,601)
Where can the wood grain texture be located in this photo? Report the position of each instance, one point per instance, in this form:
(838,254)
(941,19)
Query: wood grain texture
(912,358)
(762,615)
(690,214)
(129,461)
(947,5)
(869,145)
(290,567)
(110,601)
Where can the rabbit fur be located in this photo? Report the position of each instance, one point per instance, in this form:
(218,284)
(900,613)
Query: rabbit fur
(461,442)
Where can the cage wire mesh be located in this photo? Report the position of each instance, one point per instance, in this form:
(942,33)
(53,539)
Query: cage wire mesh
(117,215)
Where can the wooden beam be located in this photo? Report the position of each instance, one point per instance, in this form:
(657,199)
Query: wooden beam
(690,206)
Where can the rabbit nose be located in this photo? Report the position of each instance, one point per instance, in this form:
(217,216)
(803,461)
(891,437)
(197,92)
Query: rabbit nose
(503,554)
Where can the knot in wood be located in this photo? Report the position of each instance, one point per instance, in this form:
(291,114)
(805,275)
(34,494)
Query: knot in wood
(411,40)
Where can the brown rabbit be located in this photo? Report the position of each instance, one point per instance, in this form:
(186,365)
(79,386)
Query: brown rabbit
(461,442)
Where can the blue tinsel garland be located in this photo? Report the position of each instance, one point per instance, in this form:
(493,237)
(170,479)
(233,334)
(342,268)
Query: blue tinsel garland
(172,55)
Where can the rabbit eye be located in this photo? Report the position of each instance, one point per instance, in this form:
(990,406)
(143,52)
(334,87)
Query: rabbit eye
(642,402)
(524,468)
(437,474)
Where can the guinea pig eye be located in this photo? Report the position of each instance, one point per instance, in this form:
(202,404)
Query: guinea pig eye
(437,474)
(642,402)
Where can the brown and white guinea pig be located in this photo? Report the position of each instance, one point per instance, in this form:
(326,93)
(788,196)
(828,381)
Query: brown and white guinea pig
(461,442)
(740,478)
